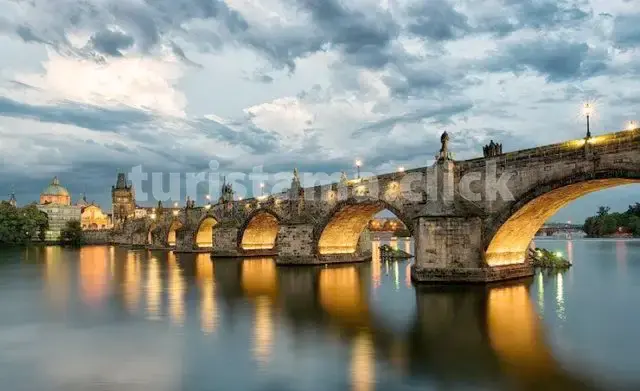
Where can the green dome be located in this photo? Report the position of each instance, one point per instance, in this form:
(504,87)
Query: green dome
(55,189)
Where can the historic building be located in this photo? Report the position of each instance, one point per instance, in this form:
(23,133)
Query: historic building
(92,216)
(123,200)
(55,201)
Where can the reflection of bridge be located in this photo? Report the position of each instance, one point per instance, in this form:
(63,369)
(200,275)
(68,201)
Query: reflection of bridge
(486,336)
(457,238)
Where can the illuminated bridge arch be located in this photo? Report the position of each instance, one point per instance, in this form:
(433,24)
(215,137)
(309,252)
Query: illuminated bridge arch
(340,231)
(171,235)
(203,237)
(259,231)
(512,231)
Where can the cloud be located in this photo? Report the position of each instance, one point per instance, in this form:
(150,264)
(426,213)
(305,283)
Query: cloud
(437,20)
(439,115)
(557,60)
(84,116)
(111,42)
(626,30)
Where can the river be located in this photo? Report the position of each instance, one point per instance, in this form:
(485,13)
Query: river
(109,318)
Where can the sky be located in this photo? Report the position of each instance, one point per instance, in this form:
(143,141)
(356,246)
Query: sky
(88,88)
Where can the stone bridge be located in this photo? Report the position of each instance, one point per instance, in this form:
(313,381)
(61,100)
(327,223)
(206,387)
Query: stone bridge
(471,220)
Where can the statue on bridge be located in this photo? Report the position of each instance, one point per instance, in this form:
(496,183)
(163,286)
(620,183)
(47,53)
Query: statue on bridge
(296,191)
(226,193)
(444,149)
(492,149)
(343,178)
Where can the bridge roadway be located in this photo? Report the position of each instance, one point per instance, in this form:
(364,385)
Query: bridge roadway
(462,233)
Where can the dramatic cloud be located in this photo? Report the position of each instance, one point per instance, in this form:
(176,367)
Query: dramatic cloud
(91,87)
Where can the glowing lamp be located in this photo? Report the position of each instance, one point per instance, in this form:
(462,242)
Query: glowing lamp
(401,169)
(558,254)
(587,109)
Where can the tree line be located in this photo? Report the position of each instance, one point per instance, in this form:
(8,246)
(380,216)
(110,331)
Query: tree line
(23,225)
(605,223)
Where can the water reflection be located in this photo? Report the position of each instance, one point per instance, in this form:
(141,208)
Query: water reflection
(154,289)
(93,274)
(206,278)
(453,337)
(176,290)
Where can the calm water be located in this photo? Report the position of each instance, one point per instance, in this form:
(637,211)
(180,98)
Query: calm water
(106,318)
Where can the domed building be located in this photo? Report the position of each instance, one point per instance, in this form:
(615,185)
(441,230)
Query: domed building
(55,201)
(55,193)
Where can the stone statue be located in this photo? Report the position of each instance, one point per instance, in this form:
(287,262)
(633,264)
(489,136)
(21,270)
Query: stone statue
(343,178)
(444,149)
(296,190)
(492,149)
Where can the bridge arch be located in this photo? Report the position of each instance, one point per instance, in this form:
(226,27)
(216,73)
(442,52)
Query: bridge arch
(340,231)
(171,234)
(203,237)
(259,231)
(511,232)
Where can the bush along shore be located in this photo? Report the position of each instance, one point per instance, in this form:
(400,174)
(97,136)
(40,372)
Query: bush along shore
(546,259)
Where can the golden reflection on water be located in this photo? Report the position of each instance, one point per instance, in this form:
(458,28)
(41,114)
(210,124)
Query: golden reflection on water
(341,294)
(263,330)
(259,282)
(259,277)
(375,264)
(154,289)
(205,275)
(176,290)
(56,273)
(93,274)
(363,362)
(132,277)
(515,332)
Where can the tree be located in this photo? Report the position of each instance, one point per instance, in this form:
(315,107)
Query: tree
(20,225)
(36,222)
(603,211)
(72,233)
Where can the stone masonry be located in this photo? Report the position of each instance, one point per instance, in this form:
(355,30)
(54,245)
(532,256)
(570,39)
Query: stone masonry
(458,238)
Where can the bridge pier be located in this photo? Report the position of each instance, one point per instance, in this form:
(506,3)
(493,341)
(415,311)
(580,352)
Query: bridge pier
(225,241)
(450,250)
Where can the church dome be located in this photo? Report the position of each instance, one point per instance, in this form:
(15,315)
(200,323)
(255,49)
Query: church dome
(55,189)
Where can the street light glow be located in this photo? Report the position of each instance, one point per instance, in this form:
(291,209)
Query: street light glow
(358,163)
(558,254)
(401,169)
(175,204)
(208,197)
(587,109)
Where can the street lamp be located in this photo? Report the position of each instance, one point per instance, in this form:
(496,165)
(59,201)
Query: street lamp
(208,197)
(261,188)
(588,110)
(358,164)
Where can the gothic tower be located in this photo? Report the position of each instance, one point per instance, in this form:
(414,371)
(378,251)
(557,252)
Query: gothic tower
(123,199)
